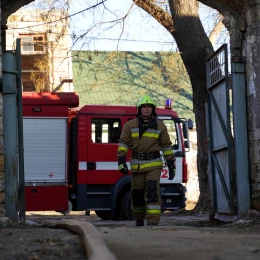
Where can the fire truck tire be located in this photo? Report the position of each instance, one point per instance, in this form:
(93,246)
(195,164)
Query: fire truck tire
(66,212)
(126,211)
(105,214)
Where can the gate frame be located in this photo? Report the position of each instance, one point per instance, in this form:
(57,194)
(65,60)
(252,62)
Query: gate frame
(240,198)
(215,76)
(243,195)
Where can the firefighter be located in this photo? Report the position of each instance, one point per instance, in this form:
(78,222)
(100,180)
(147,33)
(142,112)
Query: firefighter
(146,136)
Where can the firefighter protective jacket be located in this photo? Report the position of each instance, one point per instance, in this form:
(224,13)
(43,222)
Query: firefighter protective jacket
(155,138)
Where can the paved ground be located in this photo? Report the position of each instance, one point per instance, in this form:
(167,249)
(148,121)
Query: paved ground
(180,236)
(167,243)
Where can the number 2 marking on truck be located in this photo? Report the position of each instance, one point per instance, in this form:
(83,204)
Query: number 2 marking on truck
(164,173)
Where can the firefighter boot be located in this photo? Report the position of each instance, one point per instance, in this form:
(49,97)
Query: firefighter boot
(152,224)
(139,223)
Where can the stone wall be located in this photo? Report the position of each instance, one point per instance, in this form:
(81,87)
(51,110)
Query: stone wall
(2,206)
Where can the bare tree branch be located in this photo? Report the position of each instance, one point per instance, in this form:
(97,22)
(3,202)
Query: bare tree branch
(157,12)
(215,32)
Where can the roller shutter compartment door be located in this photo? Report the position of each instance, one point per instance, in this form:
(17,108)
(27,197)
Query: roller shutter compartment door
(45,149)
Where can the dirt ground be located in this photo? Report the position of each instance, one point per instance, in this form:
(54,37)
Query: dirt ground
(30,243)
(179,236)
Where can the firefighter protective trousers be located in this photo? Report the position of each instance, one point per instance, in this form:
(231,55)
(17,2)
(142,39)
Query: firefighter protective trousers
(146,195)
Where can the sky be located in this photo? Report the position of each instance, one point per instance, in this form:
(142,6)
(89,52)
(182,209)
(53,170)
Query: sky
(138,31)
(102,26)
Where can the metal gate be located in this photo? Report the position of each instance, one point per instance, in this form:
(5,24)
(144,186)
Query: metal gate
(219,133)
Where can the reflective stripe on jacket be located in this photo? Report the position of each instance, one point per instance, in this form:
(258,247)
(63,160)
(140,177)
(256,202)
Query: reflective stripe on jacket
(153,139)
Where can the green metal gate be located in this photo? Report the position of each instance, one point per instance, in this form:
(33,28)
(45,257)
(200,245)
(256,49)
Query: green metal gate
(221,167)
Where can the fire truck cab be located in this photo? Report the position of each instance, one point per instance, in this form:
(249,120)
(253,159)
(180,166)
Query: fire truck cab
(79,149)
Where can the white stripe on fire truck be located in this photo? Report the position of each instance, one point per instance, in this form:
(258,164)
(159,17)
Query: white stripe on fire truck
(82,165)
(102,166)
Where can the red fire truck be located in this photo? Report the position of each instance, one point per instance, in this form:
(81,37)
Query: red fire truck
(70,156)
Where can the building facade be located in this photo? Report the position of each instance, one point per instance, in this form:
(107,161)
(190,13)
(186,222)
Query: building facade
(45,55)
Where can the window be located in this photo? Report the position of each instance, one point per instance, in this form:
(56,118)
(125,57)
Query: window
(106,130)
(33,44)
(172,132)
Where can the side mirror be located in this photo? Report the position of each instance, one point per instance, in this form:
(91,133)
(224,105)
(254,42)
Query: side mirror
(187,144)
(185,130)
(190,124)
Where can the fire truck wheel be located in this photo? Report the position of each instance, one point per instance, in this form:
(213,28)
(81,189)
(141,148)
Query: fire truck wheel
(66,212)
(105,214)
(126,209)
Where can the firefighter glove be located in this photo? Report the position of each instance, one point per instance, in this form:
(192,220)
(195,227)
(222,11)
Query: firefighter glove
(171,167)
(122,166)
